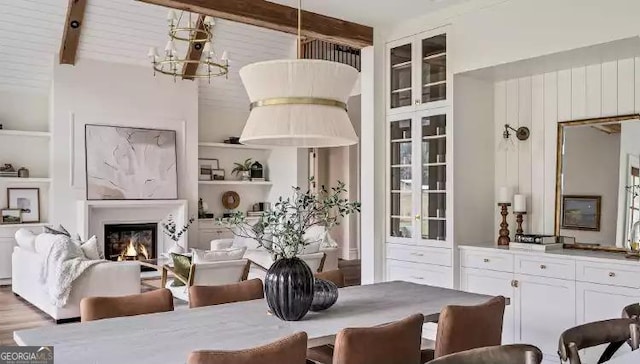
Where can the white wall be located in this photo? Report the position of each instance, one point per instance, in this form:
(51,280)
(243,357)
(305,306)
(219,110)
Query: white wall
(591,167)
(117,94)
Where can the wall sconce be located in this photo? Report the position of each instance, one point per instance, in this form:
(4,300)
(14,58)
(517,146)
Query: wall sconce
(522,133)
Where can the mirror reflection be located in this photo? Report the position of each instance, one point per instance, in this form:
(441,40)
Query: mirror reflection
(599,182)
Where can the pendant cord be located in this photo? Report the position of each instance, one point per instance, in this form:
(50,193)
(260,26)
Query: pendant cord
(299,29)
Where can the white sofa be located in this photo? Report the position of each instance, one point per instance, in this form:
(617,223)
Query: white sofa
(105,279)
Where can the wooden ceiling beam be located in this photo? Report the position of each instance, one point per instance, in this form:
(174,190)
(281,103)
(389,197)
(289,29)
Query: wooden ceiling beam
(194,54)
(279,17)
(71,34)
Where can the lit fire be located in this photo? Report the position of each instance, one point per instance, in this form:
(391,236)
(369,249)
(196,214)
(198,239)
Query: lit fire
(134,251)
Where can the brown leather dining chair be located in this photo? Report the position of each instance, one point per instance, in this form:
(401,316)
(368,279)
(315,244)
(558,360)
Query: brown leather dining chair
(614,332)
(289,350)
(324,353)
(631,311)
(463,328)
(506,354)
(394,343)
(336,276)
(98,308)
(200,296)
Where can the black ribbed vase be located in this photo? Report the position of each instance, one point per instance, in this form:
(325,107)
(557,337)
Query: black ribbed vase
(288,287)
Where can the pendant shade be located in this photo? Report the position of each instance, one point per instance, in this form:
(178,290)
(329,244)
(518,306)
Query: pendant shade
(299,103)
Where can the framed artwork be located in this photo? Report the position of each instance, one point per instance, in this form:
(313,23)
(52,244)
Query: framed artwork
(206,166)
(218,174)
(130,163)
(581,212)
(27,200)
(10,216)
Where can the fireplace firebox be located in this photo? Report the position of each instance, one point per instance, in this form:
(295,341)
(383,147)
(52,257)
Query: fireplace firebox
(130,241)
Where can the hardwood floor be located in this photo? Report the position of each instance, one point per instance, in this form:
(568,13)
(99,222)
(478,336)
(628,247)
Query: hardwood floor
(16,314)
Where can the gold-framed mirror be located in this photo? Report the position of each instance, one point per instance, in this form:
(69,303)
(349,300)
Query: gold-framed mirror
(597,182)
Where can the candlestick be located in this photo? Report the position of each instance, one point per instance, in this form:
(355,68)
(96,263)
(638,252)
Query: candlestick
(519,220)
(503,238)
(504,195)
(519,203)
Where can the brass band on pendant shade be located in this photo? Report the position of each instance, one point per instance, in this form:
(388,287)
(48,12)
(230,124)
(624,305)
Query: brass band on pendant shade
(298,101)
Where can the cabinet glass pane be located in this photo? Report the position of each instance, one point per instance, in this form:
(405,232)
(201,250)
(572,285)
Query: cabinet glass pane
(401,76)
(401,228)
(434,177)
(434,68)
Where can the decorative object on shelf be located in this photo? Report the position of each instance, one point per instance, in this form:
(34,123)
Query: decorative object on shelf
(581,212)
(257,171)
(232,140)
(125,163)
(206,167)
(197,32)
(11,216)
(170,229)
(325,295)
(299,102)
(23,172)
(280,231)
(519,209)
(503,233)
(27,200)
(218,174)
(230,200)
(243,169)
(7,170)
(200,208)
(635,238)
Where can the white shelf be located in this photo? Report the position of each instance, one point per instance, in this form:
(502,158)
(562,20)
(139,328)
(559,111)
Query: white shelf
(436,218)
(438,164)
(434,83)
(24,133)
(400,90)
(430,137)
(401,65)
(406,140)
(436,55)
(231,146)
(231,182)
(433,191)
(24,180)
(26,224)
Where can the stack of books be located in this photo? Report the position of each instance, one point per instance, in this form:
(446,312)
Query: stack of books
(533,242)
(254,213)
(8,173)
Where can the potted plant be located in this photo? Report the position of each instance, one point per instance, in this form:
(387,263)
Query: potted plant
(243,169)
(171,230)
(281,231)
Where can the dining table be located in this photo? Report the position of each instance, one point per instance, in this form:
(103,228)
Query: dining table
(169,337)
(627,358)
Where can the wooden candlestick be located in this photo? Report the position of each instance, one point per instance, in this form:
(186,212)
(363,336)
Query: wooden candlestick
(503,238)
(519,220)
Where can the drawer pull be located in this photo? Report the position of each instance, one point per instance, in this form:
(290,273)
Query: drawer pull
(419,278)
(418,254)
(612,274)
(486,260)
(542,266)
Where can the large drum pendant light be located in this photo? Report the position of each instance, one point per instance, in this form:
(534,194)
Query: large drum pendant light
(299,102)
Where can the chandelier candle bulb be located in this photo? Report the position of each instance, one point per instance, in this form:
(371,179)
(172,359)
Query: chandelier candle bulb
(519,203)
(504,195)
(171,17)
(225,56)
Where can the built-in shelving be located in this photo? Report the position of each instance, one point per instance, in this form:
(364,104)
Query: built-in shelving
(24,180)
(230,146)
(25,133)
(25,225)
(231,182)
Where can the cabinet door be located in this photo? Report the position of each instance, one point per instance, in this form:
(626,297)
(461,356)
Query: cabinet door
(401,208)
(401,76)
(432,70)
(595,302)
(496,284)
(544,308)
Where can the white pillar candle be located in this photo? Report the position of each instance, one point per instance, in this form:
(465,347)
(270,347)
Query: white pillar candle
(520,203)
(504,195)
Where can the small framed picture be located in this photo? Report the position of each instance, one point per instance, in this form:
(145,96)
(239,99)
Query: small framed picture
(11,216)
(218,174)
(581,212)
(205,168)
(27,200)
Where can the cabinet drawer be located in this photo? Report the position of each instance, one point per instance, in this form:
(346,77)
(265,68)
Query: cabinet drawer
(433,275)
(501,262)
(545,267)
(606,273)
(419,254)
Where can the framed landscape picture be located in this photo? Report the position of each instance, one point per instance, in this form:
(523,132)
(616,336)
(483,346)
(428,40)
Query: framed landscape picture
(130,163)
(27,200)
(581,212)
(10,216)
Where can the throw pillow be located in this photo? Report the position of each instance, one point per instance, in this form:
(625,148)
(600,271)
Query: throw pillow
(90,249)
(311,248)
(209,256)
(26,239)
(221,244)
(60,230)
(182,267)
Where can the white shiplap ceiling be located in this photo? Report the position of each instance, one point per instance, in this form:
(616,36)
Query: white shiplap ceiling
(120,31)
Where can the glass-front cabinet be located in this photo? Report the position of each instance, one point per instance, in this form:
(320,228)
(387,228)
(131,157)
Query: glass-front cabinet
(417,72)
(418,176)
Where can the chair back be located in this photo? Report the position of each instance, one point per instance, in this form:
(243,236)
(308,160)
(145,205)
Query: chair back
(289,350)
(395,343)
(631,311)
(218,273)
(98,308)
(463,328)
(315,261)
(217,295)
(506,354)
(336,276)
(598,333)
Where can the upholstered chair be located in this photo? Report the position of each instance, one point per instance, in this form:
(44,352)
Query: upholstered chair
(98,308)
(463,328)
(289,350)
(217,295)
(507,354)
(394,343)
(336,276)
(206,274)
(614,332)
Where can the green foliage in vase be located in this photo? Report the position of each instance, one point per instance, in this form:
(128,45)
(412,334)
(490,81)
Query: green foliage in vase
(171,230)
(242,167)
(281,230)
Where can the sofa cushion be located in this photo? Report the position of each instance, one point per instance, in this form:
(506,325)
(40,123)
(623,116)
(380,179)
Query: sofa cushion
(90,248)
(320,234)
(249,243)
(220,244)
(311,248)
(208,256)
(26,239)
